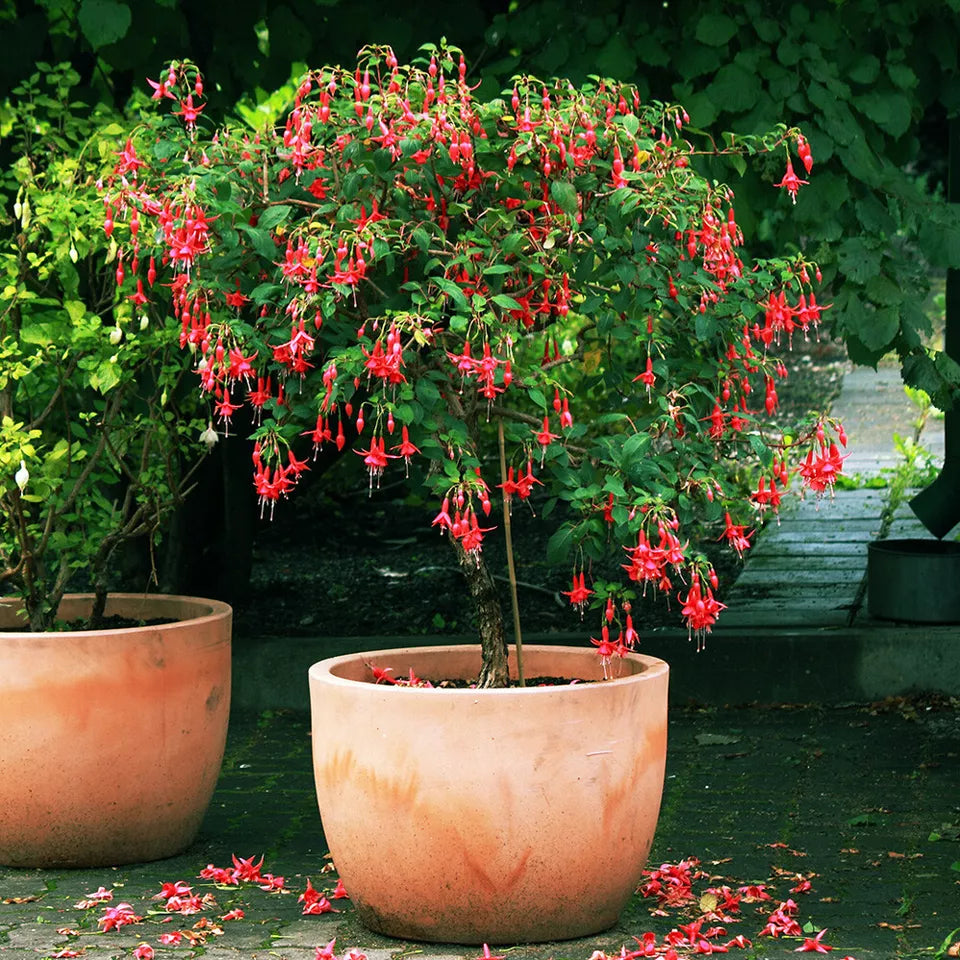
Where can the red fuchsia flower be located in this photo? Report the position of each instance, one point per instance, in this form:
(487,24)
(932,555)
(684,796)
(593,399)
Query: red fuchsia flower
(246,869)
(579,594)
(780,923)
(605,649)
(100,895)
(161,89)
(442,519)
(819,473)
(406,448)
(375,457)
(177,889)
(471,538)
(67,953)
(735,534)
(647,377)
(114,918)
(791,182)
(487,955)
(545,438)
(803,884)
(235,914)
(803,151)
(171,939)
(189,111)
(326,952)
(339,892)
(700,610)
(271,883)
(814,944)
(219,875)
(144,952)
(314,902)
(380,675)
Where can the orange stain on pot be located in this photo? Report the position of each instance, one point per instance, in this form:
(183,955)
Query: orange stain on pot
(342,768)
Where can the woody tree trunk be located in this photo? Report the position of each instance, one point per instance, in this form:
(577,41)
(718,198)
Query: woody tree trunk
(486,603)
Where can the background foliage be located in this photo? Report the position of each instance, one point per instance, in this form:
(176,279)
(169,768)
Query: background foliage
(874,85)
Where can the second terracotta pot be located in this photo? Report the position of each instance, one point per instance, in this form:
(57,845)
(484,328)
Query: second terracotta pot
(111,740)
(493,816)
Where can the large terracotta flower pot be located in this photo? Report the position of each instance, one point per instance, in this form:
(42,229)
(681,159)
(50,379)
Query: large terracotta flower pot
(111,741)
(493,816)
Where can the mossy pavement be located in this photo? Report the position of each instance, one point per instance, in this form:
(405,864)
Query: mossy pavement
(780,769)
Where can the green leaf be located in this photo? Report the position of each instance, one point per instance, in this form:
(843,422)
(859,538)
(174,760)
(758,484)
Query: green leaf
(453,291)
(536,395)
(260,240)
(857,261)
(617,58)
(738,163)
(76,310)
(889,111)
(902,76)
(274,215)
(103,22)
(940,240)
(881,289)
(559,545)
(513,242)
(421,238)
(106,376)
(705,325)
(634,445)
(505,302)
(735,88)
(427,392)
(865,70)
(880,333)
(564,194)
(715,29)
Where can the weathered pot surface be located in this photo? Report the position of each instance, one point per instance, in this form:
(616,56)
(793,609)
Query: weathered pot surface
(494,816)
(111,741)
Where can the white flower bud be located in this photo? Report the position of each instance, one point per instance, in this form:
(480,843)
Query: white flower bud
(22,476)
(209,437)
(116,335)
(144,322)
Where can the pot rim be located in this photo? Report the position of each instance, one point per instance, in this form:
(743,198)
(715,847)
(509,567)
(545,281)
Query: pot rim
(915,547)
(209,610)
(322,671)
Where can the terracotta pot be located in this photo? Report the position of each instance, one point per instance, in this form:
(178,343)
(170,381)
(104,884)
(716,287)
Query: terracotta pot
(111,741)
(492,816)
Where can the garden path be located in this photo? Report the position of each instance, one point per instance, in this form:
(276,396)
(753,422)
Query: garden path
(810,569)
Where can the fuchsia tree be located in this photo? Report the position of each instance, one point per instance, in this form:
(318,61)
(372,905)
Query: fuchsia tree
(427,278)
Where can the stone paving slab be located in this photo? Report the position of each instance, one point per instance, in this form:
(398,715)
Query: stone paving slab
(844,571)
(798,563)
(848,797)
(797,547)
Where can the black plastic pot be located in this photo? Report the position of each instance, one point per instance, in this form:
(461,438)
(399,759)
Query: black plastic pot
(917,581)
